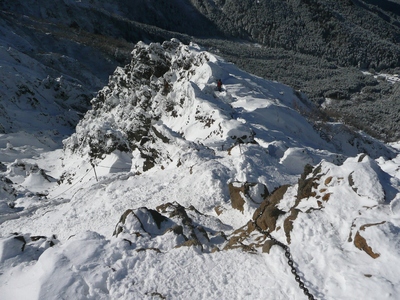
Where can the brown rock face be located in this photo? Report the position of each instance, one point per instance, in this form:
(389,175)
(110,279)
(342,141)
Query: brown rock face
(269,211)
(361,243)
(239,191)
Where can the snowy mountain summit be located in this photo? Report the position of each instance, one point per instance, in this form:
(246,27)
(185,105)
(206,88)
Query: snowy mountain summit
(171,188)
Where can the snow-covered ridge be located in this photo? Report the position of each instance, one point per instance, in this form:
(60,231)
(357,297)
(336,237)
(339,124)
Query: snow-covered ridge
(168,92)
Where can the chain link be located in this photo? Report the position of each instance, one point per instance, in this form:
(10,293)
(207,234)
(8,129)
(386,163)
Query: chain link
(288,256)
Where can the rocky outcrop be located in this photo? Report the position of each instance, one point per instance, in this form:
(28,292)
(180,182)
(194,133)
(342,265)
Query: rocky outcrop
(7,191)
(315,195)
(139,110)
(170,226)
(13,244)
(242,192)
(135,96)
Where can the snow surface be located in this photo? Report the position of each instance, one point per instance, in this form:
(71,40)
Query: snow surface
(72,227)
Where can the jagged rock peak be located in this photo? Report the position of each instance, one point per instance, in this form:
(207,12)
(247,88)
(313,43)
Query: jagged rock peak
(152,67)
(166,92)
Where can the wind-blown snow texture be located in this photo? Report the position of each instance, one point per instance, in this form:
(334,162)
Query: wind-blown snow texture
(156,193)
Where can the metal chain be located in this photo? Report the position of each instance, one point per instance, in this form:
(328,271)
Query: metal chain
(287,253)
(288,256)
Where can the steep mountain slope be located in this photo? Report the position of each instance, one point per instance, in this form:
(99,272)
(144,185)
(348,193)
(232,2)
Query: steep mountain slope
(314,46)
(49,74)
(340,31)
(172,189)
